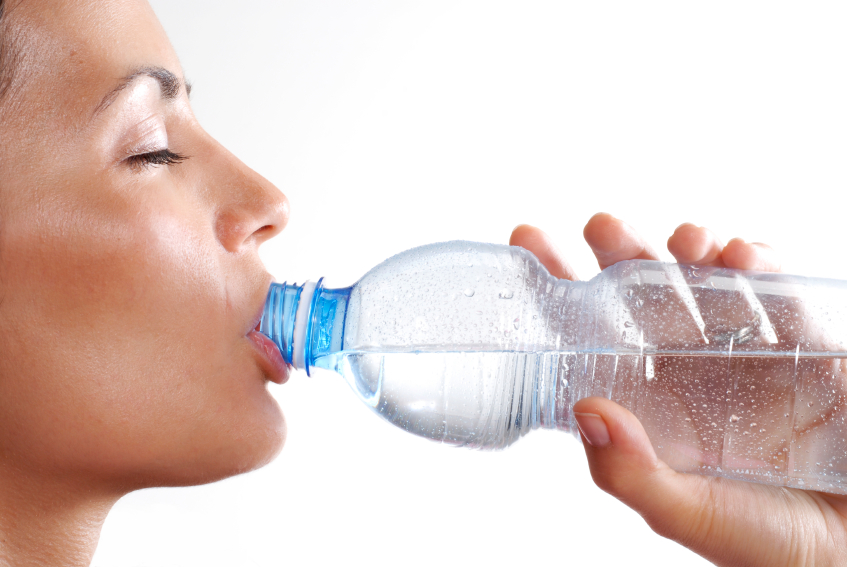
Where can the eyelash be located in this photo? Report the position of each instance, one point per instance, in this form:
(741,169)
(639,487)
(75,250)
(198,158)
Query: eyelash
(159,157)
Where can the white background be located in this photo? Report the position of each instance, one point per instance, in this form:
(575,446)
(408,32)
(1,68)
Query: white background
(393,123)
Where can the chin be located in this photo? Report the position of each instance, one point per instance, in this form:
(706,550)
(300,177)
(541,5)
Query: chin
(255,448)
(225,450)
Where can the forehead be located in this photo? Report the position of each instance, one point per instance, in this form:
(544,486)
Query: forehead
(73,52)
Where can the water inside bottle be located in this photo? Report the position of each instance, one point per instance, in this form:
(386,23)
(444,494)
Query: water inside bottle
(476,399)
(763,417)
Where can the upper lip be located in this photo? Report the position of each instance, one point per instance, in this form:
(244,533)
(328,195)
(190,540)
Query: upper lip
(256,321)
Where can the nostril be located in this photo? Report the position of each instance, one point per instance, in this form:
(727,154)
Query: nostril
(267,230)
(252,210)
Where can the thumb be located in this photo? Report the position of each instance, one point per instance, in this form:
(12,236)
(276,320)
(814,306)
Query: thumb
(621,457)
(726,521)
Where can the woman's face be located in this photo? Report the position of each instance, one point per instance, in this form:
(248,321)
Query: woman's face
(129,286)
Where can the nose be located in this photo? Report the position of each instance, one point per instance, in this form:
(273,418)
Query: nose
(250,208)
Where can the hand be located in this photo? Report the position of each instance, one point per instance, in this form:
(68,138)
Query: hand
(729,522)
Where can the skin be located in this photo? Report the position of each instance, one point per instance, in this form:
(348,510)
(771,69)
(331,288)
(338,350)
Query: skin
(728,522)
(128,293)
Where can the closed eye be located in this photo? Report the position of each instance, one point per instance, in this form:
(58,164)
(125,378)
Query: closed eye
(159,157)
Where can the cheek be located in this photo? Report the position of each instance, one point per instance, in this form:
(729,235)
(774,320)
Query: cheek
(123,350)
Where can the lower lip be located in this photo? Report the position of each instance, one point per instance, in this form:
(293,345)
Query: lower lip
(275,367)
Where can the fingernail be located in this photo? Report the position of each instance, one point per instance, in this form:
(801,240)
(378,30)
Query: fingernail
(593,428)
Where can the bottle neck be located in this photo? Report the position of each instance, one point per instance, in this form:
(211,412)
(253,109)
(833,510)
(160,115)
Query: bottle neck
(306,322)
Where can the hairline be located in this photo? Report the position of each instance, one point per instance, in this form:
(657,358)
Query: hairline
(4,79)
(10,48)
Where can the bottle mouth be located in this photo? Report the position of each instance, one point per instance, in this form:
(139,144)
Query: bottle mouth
(288,320)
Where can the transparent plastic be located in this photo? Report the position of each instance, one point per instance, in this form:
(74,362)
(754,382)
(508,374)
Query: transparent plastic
(733,374)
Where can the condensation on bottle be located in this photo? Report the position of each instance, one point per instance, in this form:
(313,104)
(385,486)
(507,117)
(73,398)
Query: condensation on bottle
(732,373)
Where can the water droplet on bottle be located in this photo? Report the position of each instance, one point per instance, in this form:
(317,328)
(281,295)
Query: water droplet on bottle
(469,292)
(753,424)
(517,323)
(639,302)
(628,324)
(629,293)
(507,294)
(734,418)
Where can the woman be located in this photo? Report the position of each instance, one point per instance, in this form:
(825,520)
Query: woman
(130,288)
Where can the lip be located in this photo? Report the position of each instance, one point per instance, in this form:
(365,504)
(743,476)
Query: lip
(271,361)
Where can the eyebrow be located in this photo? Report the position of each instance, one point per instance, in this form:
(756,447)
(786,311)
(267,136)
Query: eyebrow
(169,84)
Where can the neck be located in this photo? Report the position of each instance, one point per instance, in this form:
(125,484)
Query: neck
(44,521)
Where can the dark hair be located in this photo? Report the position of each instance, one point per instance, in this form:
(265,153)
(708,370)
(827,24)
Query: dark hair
(4,81)
(5,53)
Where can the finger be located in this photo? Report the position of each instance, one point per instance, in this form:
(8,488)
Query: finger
(539,243)
(612,241)
(697,245)
(743,255)
(728,522)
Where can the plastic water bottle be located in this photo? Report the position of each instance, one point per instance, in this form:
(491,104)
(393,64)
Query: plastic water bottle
(734,374)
